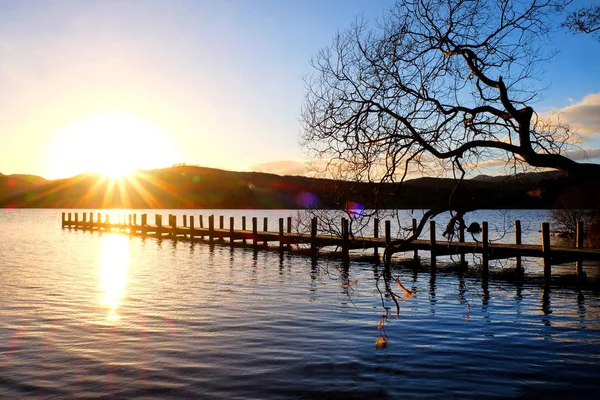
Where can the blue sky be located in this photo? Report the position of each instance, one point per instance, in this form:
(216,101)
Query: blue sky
(214,83)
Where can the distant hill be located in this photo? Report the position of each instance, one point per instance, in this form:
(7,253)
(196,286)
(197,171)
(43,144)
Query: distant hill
(200,187)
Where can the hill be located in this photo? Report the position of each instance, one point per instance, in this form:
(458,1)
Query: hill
(199,187)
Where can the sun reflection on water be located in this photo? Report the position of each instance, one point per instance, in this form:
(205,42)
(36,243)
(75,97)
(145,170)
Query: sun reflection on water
(114,262)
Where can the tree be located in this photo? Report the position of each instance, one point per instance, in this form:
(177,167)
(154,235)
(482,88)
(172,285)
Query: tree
(436,88)
(585,20)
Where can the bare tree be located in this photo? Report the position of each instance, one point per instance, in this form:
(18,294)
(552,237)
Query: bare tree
(436,88)
(585,20)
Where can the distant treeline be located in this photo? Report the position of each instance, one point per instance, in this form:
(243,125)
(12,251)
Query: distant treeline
(199,187)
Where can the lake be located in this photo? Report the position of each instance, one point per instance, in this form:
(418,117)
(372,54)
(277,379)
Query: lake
(91,315)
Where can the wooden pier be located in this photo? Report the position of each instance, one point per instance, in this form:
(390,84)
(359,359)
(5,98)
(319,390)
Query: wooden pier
(285,238)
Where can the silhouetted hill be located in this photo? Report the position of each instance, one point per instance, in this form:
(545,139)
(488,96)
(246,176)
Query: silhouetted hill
(199,187)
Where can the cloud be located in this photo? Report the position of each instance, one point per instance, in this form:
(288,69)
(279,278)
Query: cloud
(583,116)
(282,167)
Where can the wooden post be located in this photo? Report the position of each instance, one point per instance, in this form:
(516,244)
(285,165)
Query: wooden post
(313,236)
(211,229)
(485,247)
(254,232)
(281,235)
(201,224)
(388,241)
(231,230)
(433,244)
(265,228)
(376,236)
(546,251)
(244,227)
(517,242)
(98,220)
(222,225)
(158,220)
(289,231)
(174,226)
(579,244)
(461,239)
(345,240)
(69,223)
(144,222)
(185,221)
(414,230)
(63,219)
(135,219)
(76,220)
(84,221)
(191,228)
(106,222)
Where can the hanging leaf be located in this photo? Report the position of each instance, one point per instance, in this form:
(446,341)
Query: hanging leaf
(381,321)
(407,293)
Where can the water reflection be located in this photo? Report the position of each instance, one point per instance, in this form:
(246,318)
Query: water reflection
(114,262)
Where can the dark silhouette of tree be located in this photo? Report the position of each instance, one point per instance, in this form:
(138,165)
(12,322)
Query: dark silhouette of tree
(585,20)
(436,88)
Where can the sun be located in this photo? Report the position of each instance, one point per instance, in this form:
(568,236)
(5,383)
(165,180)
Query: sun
(111,144)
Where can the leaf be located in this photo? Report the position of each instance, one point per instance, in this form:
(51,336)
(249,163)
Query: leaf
(407,293)
(346,283)
(381,321)
(356,282)
(380,343)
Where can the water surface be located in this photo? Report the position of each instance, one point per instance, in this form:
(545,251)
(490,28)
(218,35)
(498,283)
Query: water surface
(103,315)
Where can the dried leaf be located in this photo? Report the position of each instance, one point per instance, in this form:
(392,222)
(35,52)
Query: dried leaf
(346,283)
(381,321)
(380,343)
(356,281)
(407,293)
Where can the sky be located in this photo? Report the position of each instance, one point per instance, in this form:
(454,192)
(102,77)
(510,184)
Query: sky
(145,84)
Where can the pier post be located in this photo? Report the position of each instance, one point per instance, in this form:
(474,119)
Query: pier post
(254,232)
(201,224)
(63,219)
(191,228)
(76,220)
(265,228)
(135,219)
(211,229)
(84,221)
(376,236)
(107,222)
(281,236)
(244,227)
(461,239)
(144,222)
(185,221)
(231,230)
(518,242)
(485,256)
(546,251)
(98,220)
(289,231)
(388,241)
(69,220)
(579,245)
(313,237)
(222,226)
(433,245)
(345,240)
(158,223)
(414,231)
(174,226)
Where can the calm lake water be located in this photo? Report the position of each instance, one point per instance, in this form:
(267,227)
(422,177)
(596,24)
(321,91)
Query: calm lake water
(92,315)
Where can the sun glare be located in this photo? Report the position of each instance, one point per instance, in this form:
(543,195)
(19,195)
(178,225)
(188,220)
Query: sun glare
(110,144)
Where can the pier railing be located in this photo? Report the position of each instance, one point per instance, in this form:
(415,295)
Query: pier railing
(285,238)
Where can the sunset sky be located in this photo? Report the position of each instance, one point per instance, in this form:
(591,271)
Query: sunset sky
(213,83)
